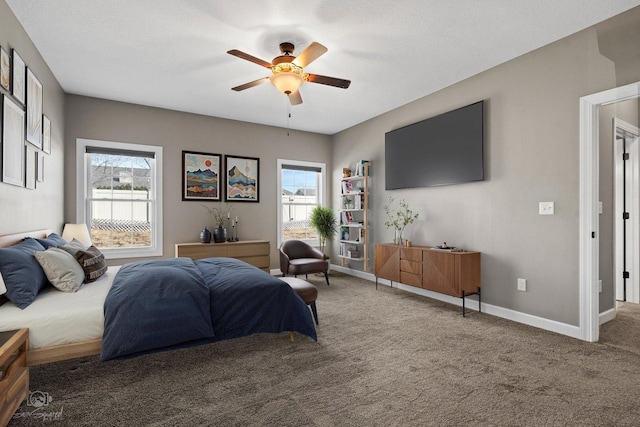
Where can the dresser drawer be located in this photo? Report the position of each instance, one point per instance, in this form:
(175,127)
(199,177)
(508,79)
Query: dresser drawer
(411,267)
(241,250)
(14,373)
(16,393)
(411,254)
(411,279)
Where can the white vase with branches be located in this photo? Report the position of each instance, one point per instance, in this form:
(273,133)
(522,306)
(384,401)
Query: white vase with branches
(398,218)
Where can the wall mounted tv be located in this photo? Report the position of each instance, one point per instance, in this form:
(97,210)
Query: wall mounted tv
(440,150)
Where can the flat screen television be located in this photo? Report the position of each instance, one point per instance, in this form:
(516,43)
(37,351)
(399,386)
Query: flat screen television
(440,150)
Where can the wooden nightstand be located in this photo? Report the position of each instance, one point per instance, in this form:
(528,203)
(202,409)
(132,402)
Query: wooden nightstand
(14,373)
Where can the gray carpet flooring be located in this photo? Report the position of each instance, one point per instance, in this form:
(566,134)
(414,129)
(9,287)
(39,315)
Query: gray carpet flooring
(383,358)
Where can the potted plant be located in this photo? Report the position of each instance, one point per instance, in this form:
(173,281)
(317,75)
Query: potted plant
(220,215)
(324,222)
(347,202)
(399,219)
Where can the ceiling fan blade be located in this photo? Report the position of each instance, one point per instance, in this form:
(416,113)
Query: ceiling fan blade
(295,98)
(310,54)
(250,84)
(250,58)
(329,81)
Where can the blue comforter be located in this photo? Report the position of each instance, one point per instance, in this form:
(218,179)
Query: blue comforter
(162,304)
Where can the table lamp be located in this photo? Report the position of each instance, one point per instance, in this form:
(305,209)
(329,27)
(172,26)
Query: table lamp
(77,231)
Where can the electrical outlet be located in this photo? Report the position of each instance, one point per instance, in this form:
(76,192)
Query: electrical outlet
(546,208)
(599,285)
(522,285)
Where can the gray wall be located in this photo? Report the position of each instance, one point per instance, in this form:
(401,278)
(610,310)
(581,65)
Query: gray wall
(175,131)
(22,209)
(531,155)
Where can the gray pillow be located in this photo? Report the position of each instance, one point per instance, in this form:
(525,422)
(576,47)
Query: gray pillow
(61,268)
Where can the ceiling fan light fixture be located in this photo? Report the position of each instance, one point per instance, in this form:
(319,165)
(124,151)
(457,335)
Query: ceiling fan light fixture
(287,83)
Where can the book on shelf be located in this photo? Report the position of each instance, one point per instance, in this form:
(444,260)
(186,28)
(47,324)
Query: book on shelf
(346,218)
(347,187)
(360,167)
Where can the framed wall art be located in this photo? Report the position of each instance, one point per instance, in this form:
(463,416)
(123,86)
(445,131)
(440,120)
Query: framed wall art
(30,168)
(40,167)
(12,143)
(5,70)
(201,176)
(34,109)
(242,178)
(46,134)
(18,76)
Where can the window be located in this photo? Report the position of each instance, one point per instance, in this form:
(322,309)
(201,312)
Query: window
(119,197)
(301,187)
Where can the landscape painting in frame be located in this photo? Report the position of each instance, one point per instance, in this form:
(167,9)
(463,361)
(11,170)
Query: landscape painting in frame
(242,175)
(200,176)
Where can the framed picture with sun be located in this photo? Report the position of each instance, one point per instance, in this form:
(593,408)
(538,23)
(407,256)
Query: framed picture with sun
(201,176)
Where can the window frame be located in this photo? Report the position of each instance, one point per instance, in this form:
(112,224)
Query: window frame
(82,208)
(322,192)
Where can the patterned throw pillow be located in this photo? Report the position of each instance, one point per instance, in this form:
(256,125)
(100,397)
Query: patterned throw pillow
(91,260)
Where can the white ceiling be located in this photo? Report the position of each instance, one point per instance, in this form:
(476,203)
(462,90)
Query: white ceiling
(172,53)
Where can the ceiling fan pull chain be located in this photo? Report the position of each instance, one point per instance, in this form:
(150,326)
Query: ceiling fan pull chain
(288,115)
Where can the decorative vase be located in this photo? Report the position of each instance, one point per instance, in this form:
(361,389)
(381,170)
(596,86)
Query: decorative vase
(219,235)
(398,238)
(205,236)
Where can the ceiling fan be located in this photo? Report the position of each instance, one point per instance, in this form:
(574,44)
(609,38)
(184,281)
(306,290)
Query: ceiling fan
(288,70)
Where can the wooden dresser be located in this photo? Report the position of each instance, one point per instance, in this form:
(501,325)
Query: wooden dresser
(14,373)
(453,273)
(254,252)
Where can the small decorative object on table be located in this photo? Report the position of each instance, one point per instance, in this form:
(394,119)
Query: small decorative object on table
(205,235)
(234,230)
(399,219)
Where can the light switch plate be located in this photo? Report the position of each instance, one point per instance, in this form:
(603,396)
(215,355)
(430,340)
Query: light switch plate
(547,208)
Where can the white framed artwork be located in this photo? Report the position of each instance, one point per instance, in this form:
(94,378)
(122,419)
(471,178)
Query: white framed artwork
(12,143)
(34,109)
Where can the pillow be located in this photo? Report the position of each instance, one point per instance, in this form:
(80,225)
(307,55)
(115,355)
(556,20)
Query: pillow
(75,243)
(23,277)
(52,241)
(61,268)
(3,289)
(91,260)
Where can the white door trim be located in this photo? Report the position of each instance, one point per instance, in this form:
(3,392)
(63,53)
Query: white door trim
(588,229)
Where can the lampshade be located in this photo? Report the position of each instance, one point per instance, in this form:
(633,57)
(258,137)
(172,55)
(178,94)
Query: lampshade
(77,231)
(286,83)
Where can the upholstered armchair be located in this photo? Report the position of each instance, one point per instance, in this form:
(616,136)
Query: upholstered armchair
(297,257)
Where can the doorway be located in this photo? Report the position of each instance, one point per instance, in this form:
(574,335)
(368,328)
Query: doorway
(589,232)
(627,212)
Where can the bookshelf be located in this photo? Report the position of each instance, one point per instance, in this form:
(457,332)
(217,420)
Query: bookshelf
(354,211)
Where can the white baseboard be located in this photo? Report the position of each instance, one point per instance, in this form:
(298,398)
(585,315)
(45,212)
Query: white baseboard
(472,303)
(607,316)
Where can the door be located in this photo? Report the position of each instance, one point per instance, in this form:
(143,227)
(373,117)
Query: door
(627,212)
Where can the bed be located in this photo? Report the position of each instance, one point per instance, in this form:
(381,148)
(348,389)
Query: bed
(236,300)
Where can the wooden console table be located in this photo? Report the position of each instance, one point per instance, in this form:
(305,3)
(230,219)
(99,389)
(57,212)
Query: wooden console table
(452,273)
(254,252)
